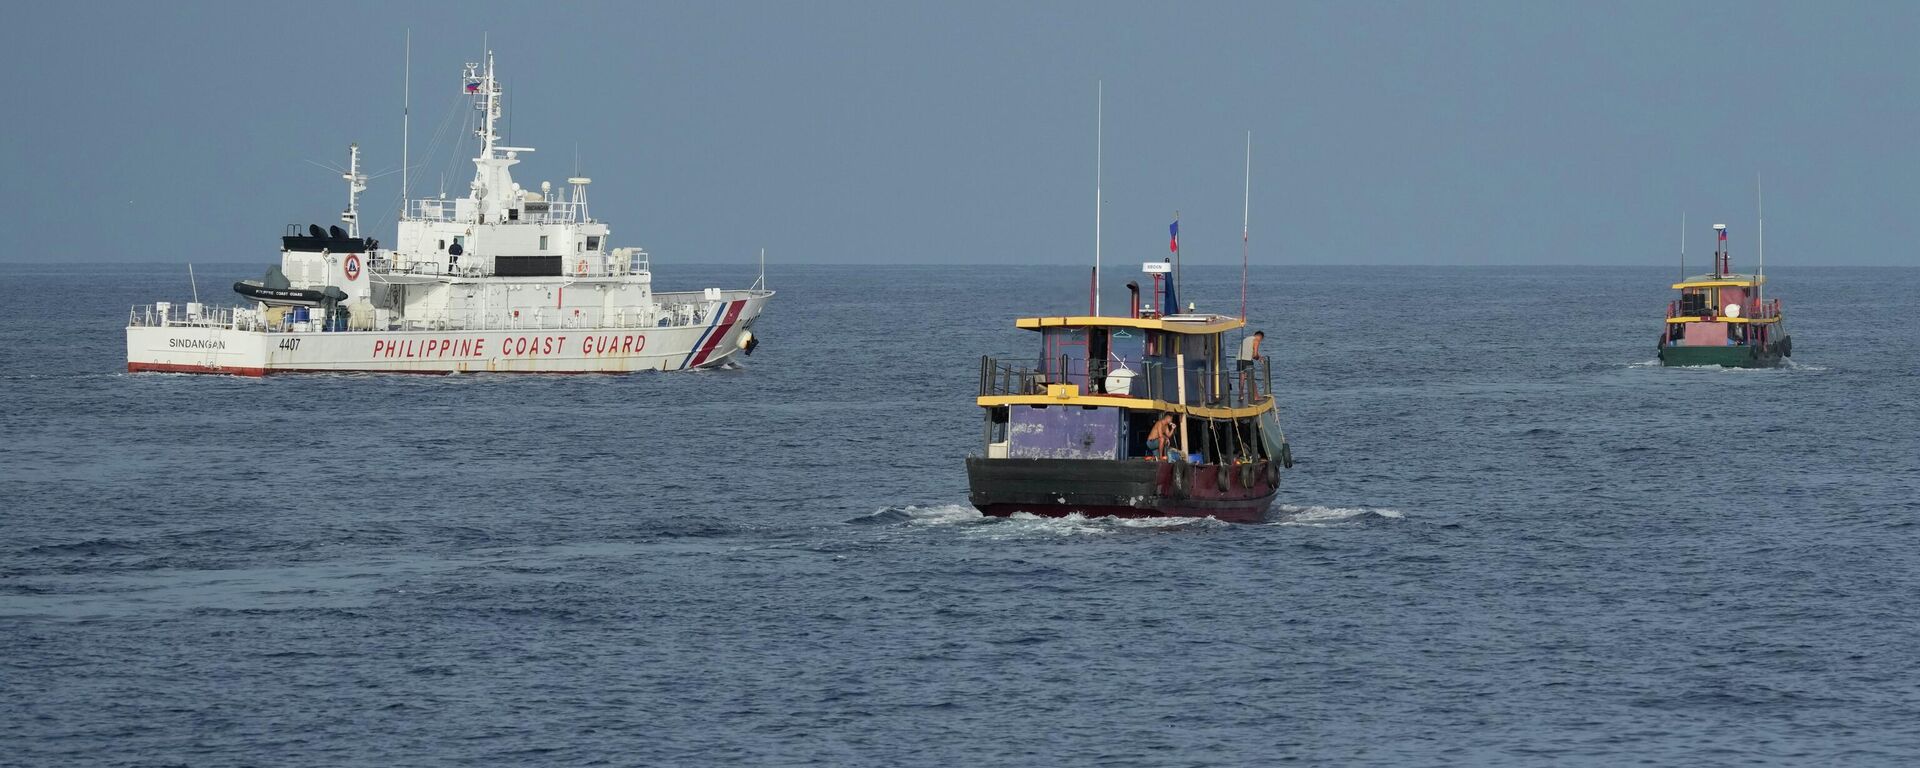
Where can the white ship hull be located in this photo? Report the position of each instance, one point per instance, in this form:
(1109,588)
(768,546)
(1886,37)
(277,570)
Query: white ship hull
(227,349)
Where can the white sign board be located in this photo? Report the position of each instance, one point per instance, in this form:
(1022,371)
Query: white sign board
(1156,267)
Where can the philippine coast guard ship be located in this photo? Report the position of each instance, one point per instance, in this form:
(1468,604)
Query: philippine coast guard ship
(1069,432)
(505,279)
(1723,318)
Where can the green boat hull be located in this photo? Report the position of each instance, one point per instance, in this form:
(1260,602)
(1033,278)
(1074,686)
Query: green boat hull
(1726,357)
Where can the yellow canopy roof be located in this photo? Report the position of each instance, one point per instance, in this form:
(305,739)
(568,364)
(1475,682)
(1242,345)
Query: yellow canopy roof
(1192,324)
(1723,281)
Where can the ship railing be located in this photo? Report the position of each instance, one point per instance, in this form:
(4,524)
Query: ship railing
(581,265)
(1768,308)
(529,211)
(557,319)
(165,314)
(1150,380)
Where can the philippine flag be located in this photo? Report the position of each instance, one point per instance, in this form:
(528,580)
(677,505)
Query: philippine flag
(1174,231)
(473,87)
(1723,235)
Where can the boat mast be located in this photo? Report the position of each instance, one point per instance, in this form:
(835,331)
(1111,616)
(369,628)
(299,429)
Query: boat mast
(1683,246)
(1719,250)
(1175,231)
(1760,242)
(356,184)
(406,117)
(1099,135)
(491,107)
(1246,216)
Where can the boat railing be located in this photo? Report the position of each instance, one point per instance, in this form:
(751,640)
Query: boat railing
(193,314)
(1149,380)
(622,262)
(1766,309)
(551,319)
(530,211)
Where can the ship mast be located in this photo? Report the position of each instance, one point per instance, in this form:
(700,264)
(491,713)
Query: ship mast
(483,84)
(1760,242)
(492,188)
(356,184)
(1099,133)
(1246,217)
(406,120)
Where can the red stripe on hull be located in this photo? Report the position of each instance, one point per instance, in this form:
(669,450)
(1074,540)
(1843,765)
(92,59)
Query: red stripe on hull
(726,324)
(180,368)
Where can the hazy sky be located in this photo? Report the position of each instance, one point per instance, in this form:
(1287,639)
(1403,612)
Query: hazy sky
(1397,133)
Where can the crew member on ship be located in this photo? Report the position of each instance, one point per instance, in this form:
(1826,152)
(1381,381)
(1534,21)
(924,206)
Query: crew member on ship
(1160,439)
(1249,352)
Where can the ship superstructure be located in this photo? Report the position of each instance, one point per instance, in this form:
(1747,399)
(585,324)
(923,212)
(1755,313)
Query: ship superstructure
(504,279)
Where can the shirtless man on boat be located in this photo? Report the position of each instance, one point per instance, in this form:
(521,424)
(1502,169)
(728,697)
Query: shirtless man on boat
(1160,438)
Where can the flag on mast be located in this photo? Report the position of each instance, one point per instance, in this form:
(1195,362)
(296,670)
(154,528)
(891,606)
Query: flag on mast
(1174,231)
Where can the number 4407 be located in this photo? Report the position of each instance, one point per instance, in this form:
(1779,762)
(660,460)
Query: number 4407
(289,344)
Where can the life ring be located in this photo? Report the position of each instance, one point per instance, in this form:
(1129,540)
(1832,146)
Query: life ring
(352,267)
(580,268)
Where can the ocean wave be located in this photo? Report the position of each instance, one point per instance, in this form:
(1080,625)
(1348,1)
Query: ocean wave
(1299,514)
(1022,524)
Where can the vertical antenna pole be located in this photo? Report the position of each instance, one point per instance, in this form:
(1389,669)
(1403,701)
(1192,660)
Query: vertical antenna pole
(195,281)
(1246,217)
(1177,288)
(763,269)
(1760,240)
(406,118)
(1180,387)
(1683,246)
(1099,149)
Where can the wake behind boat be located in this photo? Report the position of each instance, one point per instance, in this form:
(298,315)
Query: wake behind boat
(505,279)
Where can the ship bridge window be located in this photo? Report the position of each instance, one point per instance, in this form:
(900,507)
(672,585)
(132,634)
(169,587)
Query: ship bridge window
(543,242)
(513,214)
(443,243)
(593,242)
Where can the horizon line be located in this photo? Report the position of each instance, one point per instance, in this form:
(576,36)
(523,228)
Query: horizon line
(771,262)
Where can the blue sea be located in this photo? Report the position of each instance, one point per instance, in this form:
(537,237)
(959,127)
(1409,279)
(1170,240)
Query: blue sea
(1511,538)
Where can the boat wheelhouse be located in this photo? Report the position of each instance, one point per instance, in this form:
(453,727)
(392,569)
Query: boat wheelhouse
(1724,319)
(1069,430)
